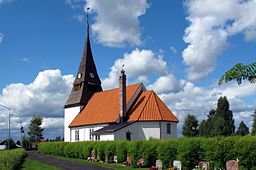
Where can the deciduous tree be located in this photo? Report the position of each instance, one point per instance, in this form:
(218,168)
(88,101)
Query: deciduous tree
(35,131)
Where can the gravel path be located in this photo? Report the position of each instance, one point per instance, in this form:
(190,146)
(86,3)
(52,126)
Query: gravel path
(61,163)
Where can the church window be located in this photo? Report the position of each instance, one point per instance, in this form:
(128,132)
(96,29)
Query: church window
(97,137)
(128,136)
(168,128)
(91,135)
(77,135)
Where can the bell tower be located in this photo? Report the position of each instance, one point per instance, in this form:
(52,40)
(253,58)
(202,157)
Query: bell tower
(86,83)
(87,80)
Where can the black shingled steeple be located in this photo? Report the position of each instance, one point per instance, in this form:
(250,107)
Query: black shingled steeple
(87,80)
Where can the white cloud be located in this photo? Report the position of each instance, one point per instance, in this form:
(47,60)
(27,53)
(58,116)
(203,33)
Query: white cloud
(45,97)
(26,60)
(199,101)
(75,4)
(79,17)
(211,24)
(166,84)
(2,2)
(117,21)
(1,37)
(138,65)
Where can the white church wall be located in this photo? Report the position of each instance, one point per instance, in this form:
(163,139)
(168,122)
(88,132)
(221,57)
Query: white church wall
(84,132)
(164,134)
(69,116)
(107,137)
(139,131)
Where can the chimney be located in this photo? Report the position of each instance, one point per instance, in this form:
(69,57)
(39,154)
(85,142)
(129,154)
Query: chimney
(122,95)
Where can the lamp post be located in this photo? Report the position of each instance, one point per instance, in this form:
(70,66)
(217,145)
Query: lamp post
(9,124)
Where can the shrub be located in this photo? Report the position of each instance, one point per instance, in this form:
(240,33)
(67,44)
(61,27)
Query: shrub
(135,151)
(110,148)
(87,149)
(121,151)
(11,159)
(149,152)
(167,152)
(52,148)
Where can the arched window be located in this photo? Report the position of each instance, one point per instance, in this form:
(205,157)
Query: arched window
(77,135)
(168,128)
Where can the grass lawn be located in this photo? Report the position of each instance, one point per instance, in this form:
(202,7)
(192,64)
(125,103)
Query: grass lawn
(102,164)
(30,164)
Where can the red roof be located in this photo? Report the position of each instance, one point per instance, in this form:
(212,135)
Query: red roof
(103,107)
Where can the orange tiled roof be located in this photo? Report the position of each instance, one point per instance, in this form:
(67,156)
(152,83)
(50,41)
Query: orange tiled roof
(149,107)
(103,107)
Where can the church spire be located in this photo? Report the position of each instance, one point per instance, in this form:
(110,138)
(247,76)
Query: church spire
(87,80)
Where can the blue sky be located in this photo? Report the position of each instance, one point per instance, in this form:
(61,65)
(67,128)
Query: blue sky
(177,48)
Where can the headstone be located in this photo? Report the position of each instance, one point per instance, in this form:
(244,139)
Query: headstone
(232,165)
(177,164)
(129,160)
(204,165)
(159,164)
(115,159)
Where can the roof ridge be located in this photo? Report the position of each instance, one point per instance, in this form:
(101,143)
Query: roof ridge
(157,104)
(145,104)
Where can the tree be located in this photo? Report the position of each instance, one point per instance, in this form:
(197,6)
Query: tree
(242,129)
(220,122)
(35,131)
(253,132)
(239,73)
(190,126)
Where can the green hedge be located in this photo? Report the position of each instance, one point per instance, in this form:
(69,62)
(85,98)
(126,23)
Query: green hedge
(11,159)
(190,151)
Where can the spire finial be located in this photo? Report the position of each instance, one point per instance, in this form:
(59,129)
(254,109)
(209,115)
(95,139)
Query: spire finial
(87,17)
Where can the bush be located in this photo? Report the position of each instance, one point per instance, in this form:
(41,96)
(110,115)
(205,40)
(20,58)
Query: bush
(190,151)
(167,152)
(121,151)
(11,159)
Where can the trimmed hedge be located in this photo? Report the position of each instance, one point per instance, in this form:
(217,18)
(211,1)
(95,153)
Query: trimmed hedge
(190,151)
(11,159)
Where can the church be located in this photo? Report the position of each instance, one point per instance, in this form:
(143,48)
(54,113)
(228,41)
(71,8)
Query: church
(125,113)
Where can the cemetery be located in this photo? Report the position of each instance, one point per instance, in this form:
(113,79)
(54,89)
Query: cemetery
(231,153)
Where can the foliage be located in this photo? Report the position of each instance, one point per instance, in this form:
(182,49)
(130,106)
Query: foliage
(220,122)
(167,152)
(190,126)
(121,151)
(35,131)
(11,144)
(239,73)
(189,151)
(11,159)
(242,129)
(253,132)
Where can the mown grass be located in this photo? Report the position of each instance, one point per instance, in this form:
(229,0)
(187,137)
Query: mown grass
(101,164)
(30,164)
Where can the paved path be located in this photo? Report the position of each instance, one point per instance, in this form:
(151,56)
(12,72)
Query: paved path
(68,165)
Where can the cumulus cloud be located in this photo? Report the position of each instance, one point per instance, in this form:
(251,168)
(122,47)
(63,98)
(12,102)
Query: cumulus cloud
(138,64)
(166,84)
(45,97)
(192,99)
(117,21)
(211,24)
(1,37)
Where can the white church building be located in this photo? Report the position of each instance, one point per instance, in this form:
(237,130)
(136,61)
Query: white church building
(124,113)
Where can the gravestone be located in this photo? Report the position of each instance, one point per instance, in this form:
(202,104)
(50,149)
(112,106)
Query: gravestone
(177,164)
(232,165)
(115,159)
(129,160)
(159,164)
(204,165)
